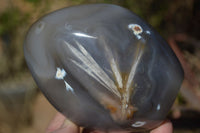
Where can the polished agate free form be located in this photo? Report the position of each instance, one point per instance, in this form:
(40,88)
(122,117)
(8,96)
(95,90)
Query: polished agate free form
(103,67)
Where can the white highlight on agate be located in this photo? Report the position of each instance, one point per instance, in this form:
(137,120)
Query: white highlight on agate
(138,124)
(91,67)
(60,74)
(158,107)
(84,35)
(148,32)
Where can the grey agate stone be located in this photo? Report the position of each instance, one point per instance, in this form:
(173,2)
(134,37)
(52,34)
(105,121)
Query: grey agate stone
(103,67)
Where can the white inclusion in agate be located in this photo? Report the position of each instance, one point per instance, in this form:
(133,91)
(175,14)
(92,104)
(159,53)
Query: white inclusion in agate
(68,87)
(60,74)
(83,35)
(137,30)
(138,124)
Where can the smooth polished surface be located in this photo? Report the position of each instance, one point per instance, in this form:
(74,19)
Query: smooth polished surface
(103,67)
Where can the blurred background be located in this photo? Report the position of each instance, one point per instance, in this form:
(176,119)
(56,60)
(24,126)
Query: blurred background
(23,109)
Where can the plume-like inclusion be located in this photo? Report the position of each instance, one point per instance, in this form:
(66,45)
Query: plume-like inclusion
(103,67)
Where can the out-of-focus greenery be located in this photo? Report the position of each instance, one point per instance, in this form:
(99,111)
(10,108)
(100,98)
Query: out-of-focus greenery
(9,20)
(180,100)
(11,55)
(33,1)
